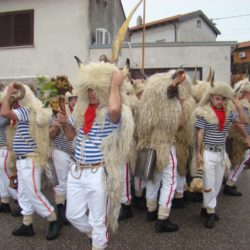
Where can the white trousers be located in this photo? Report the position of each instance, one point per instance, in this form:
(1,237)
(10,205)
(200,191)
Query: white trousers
(126,185)
(139,185)
(30,197)
(214,168)
(167,180)
(235,173)
(181,181)
(62,162)
(5,190)
(87,203)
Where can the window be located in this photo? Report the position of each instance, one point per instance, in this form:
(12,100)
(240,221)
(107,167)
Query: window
(17,28)
(198,24)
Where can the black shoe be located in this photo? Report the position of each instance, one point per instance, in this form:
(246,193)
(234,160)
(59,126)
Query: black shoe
(178,203)
(5,208)
(203,213)
(152,216)
(24,230)
(165,226)
(61,210)
(139,203)
(125,212)
(210,221)
(54,230)
(228,190)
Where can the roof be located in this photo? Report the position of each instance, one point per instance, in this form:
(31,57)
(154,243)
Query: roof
(177,18)
(243,45)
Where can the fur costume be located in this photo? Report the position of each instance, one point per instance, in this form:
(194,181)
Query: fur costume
(185,136)
(116,146)
(238,148)
(39,125)
(158,117)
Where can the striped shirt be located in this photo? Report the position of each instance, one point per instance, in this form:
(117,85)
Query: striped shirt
(247,114)
(88,147)
(212,134)
(60,141)
(23,143)
(4,122)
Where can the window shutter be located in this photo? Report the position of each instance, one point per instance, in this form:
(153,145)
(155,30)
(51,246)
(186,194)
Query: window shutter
(23,29)
(17,28)
(5,30)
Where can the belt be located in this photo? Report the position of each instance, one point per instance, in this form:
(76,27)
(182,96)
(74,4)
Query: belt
(97,165)
(215,148)
(21,157)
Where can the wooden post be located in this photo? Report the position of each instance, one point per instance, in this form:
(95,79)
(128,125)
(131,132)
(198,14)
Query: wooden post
(143,35)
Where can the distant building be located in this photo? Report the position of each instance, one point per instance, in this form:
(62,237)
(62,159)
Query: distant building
(188,40)
(241,58)
(190,27)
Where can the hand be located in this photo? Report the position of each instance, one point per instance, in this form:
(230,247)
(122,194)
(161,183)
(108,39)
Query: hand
(236,100)
(62,118)
(199,160)
(179,77)
(56,124)
(247,142)
(117,78)
(11,89)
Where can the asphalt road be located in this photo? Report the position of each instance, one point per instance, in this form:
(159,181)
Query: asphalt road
(231,232)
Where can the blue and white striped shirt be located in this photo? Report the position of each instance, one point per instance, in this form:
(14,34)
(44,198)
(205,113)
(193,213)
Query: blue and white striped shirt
(4,122)
(88,147)
(61,142)
(23,143)
(212,134)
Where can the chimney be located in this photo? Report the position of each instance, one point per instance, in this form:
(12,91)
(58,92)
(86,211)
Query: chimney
(139,21)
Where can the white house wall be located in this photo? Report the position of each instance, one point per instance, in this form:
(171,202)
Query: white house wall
(60,28)
(204,55)
(188,31)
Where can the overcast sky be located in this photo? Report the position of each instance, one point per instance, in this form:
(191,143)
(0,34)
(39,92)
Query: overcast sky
(232,29)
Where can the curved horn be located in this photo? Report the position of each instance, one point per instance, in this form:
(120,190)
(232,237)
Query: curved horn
(238,89)
(195,75)
(212,80)
(209,75)
(80,64)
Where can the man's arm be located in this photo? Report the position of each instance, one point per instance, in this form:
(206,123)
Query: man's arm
(6,110)
(199,143)
(243,132)
(54,129)
(115,104)
(69,131)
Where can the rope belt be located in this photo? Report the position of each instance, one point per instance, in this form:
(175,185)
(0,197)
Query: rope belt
(91,166)
(215,148)
(81,167)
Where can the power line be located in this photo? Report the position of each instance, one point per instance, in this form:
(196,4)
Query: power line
(229,17)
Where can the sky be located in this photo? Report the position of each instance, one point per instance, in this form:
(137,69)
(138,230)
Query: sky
(231,28)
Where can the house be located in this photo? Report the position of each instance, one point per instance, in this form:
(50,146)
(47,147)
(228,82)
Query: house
(41,37)
(240,61)
(190,27)
(186,39)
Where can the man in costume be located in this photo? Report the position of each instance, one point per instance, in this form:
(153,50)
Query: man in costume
(213,117)
(5,190)
(31,148)
(157,130)
(239,154)
(103,127)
